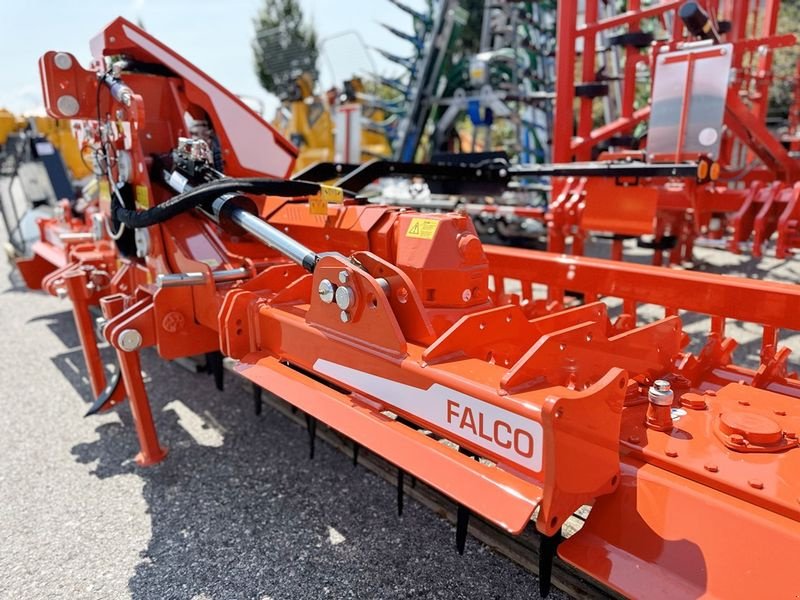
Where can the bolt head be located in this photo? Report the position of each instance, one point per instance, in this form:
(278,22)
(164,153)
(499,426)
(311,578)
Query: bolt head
(130,340)
(343,276)
(466,295)
(756,484)
(326,291)
(61,292)
(63,61)
(345,298)
(344,316)
(711,468)
(68,105)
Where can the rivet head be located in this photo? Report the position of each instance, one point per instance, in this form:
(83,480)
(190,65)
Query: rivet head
(755,484)
(671,453)
(326,291)
(780,413)
(634,439)
(711,393)
(711,468)
(344,316)
(466,295)
(343,276)
(130,340)
(744,403)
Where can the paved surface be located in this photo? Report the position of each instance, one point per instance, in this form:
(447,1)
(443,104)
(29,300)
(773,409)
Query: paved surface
(237,511)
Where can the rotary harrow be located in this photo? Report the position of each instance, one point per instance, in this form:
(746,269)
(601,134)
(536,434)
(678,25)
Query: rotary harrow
(523,385)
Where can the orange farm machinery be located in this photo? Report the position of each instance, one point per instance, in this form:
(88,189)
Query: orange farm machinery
(495,375)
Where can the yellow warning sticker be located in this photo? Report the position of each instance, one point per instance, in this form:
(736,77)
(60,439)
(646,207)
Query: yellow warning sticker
(318,204)
(142,197)
(423,229)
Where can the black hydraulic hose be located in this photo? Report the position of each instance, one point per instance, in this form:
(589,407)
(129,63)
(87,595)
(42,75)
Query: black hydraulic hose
(206,193)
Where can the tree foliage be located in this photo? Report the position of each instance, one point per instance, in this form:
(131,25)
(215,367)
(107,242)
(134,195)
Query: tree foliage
(285,46)
(784,66)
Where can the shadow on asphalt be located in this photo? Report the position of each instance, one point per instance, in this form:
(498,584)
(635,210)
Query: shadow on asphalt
(252,517)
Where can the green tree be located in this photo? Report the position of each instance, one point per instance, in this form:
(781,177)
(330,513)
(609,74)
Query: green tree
(784,65)
(285,46)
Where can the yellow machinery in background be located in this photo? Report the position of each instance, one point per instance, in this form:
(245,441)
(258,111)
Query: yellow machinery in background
(310,122)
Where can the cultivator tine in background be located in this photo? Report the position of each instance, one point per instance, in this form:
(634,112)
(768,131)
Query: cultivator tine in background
(401,476)
(111,395)
(311,425)
(214,367)
(257,399)
(548,545)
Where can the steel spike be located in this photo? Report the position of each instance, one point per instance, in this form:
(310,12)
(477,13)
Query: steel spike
(311,425)
(548,545)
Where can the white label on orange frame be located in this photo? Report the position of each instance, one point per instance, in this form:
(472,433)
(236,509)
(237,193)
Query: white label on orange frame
(502,432)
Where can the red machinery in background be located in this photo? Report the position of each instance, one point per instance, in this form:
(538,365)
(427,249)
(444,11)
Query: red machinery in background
(402,331)
(706,68)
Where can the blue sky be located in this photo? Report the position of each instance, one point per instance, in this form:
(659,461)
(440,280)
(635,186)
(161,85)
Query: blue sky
(213,34)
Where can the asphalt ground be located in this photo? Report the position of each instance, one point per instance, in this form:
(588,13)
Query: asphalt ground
(237,510)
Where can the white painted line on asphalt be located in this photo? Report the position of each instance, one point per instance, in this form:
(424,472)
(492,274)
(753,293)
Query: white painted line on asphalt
(198,428)
(334,537)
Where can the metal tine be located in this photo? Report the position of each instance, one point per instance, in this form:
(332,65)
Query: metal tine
(547,552)
(257,398)
(311,425)
(214,367)
(462,514)
(400,484)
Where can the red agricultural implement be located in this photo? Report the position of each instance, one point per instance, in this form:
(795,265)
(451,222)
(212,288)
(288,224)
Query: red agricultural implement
(673,80)
(498,376)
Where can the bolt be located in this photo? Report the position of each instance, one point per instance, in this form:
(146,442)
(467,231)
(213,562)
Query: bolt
(711,468)
(660,393)
(130,340)
(61,292)
(737,439)
(780,413)
(466,295)
(344,316)
(634,439)
(345,298)
(343,276)
(755,484)
(671,453)
(326,291)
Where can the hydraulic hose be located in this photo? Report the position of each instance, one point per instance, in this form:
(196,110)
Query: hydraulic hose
(205,194)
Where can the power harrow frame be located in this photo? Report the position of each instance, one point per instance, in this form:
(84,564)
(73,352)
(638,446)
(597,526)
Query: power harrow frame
(495,375)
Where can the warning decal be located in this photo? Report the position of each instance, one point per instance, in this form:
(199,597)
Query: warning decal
(142,197)
(318,204)
(423,229)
